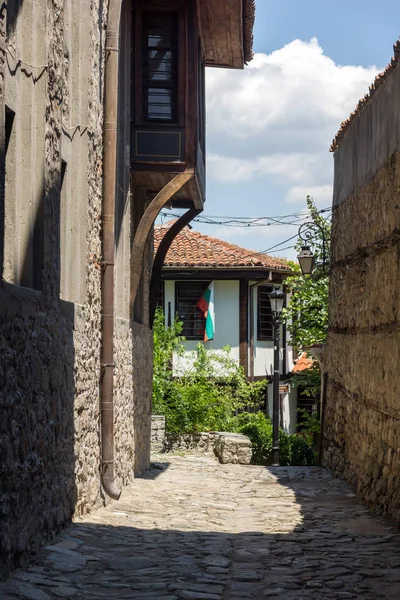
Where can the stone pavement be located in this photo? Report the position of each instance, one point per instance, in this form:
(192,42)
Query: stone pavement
(197,530)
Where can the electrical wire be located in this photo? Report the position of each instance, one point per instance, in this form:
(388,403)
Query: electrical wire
(277,247)
(268,221)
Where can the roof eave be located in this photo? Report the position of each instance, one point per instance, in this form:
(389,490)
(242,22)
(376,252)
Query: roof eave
(226,268)
(236,49)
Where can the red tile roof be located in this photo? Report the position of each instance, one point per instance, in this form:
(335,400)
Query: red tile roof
(303,363)
(379,81)
(194,249)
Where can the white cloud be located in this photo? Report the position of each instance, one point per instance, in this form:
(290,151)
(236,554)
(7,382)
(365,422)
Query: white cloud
(293,167)
(323,193)
(276,119)
(266,236)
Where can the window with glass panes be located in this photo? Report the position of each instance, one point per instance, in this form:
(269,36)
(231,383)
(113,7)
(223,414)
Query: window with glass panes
(160,66)
(264,313)
(187,295)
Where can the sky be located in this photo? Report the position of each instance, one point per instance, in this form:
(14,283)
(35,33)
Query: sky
(269,127)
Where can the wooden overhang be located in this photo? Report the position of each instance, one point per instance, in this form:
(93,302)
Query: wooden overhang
(226,29)
(215,33)
(275,276)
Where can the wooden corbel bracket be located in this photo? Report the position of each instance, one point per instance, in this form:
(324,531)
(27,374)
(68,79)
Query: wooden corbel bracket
(162,251)
(145,226)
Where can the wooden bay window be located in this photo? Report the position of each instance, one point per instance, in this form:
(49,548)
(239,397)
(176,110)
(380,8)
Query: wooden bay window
(168,93)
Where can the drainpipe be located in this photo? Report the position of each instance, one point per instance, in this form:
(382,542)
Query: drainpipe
(107,284)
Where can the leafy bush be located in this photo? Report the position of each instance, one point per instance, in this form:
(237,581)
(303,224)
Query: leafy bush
(293,450)
(166,342)
(206,395)
(214,395)
(309,425)
(302,453)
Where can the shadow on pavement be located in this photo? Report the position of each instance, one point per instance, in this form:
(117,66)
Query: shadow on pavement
(294,533)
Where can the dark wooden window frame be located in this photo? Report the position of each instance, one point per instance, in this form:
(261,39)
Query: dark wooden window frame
(264,317)
(161,296)
(162,85)
(197,314)
(145,6)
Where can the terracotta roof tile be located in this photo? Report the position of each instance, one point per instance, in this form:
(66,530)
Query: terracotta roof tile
(303,363)
(194,249)
(378,82)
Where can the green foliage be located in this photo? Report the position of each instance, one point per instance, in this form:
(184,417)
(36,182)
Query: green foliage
(206,395)
(307,312)
(294,450)
(306,315)
(309,380)
(310,425)
(166,342)
(212,395)
(302,452)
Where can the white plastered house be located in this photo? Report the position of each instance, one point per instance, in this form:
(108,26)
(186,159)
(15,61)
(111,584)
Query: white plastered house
(242,280)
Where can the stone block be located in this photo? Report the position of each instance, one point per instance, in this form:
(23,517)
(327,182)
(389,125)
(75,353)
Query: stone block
(233,448)
(157,433)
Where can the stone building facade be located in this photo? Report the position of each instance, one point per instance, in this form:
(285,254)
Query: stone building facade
(361,431)
(51,94)
(88,91)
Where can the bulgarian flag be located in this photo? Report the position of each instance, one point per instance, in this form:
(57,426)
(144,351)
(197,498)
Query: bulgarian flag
(206,305)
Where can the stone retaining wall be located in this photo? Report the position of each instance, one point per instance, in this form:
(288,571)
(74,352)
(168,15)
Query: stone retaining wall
(195,442)
(229,447)
(157,433)
(361,439)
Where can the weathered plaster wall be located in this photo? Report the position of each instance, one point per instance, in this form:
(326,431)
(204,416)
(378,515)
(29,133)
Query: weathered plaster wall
(362,434)
(50,348)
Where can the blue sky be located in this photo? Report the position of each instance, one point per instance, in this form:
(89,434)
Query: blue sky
(358,32)
(269,127)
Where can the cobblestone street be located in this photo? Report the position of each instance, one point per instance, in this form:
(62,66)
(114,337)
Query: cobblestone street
(193,529)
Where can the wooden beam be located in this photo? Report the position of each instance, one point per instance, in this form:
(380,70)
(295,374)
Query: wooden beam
(162,251)
(186,273)
(145,227)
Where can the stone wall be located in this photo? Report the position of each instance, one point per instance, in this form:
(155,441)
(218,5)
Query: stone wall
(157,440)
(202,442)
(50,347)
(362,434)
(228,447)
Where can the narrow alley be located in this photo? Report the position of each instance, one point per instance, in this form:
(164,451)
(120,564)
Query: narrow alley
(194,529)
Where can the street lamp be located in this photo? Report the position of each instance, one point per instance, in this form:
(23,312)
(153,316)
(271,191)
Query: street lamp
(306,257)
(306,260)
(277,298)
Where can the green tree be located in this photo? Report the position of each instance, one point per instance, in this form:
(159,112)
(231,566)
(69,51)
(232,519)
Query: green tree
(306,315)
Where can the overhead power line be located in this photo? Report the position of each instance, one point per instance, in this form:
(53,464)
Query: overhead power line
(300,217)
(234,221)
